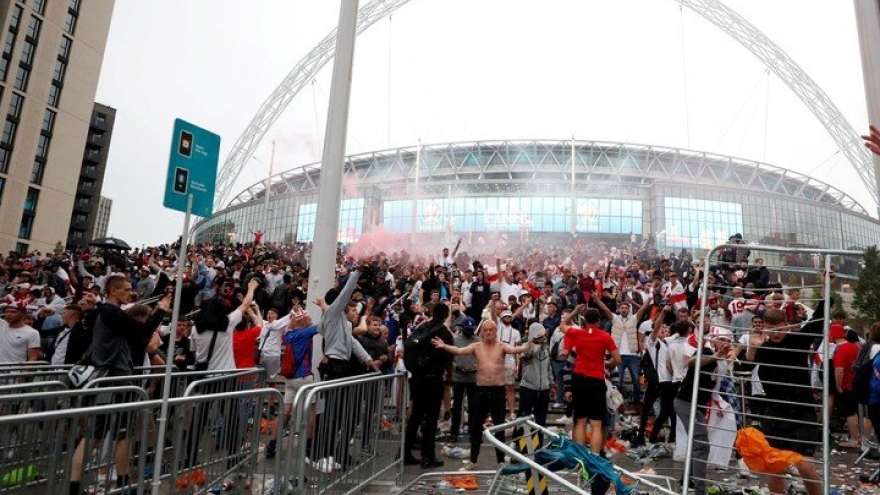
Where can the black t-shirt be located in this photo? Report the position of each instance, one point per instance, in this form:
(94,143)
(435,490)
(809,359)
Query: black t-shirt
(436,360)
(704,395)
(786,376)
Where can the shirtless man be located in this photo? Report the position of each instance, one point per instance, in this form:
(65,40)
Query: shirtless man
(490,354)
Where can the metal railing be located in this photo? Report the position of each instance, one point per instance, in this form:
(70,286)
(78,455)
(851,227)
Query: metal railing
(796,419)
(97,444)
(345,433)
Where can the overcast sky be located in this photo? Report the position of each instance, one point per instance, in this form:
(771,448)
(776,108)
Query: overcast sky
(638,71)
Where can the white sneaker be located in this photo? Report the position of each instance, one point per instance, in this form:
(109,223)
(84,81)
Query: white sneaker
(468,466)
(326,465)
(744,471)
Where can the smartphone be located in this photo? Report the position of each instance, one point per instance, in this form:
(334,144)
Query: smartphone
(185,145)
(181,180)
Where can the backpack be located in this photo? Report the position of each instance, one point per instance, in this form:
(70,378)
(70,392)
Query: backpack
(863,369)
(417,348)
(213,316)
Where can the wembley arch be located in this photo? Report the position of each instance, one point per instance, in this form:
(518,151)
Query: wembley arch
(716,12)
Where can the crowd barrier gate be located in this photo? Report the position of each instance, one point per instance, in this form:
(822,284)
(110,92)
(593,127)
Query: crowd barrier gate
(345,433)
(750,412)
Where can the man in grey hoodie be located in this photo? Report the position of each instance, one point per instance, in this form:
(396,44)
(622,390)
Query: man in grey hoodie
(534,388)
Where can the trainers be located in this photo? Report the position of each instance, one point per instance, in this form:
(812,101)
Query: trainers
(849,444)
(468,466)
(326,465)
(657,451)
(744,471)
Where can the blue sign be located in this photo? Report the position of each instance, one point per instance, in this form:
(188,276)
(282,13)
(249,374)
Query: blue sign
(192,168)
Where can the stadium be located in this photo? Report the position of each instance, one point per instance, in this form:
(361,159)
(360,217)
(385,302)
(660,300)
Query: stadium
(676,199)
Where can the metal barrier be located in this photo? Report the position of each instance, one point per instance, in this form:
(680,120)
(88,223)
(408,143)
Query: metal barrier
(14,376)
(32,387)
(31,450)
(94,445)
(793,413)
(571,481)
(187,382)
(345,433)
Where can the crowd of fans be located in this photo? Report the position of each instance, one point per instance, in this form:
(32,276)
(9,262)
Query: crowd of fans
(530,331)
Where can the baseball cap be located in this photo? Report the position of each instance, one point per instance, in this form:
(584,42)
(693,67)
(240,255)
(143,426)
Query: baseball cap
(836,331)
(506,312)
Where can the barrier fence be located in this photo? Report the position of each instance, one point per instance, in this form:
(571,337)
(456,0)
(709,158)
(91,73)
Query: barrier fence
(767,374)
(218,430)
(346,433)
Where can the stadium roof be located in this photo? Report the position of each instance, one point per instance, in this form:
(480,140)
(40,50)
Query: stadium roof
(509,166)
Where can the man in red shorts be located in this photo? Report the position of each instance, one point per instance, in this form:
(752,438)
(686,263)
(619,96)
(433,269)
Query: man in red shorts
(590,344)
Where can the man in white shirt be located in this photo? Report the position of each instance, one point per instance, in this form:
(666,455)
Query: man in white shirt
(18,342)
(624,331)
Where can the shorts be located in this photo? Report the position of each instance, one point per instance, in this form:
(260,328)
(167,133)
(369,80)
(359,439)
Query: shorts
(846,404)
(509,374)
(272,365)
(292,386)
(800,436)
(588,398)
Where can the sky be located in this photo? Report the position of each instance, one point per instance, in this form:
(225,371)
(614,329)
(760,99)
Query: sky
(635,71)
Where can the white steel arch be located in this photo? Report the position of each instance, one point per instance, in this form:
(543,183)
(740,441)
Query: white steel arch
(714,11)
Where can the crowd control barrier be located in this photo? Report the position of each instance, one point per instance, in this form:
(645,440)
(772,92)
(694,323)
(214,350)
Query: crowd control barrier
(346,433)
(787,402)
(42,452)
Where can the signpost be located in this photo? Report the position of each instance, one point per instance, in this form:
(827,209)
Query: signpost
(192,172)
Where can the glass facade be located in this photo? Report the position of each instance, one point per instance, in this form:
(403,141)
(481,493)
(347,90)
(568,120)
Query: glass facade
(678,200)
(500,214)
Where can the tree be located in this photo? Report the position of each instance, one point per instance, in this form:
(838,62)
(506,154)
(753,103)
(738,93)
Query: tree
(59,248)
(866,298)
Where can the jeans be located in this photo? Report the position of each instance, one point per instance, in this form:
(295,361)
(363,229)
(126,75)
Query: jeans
(491,401)
(459,390)
(700,437)
(558,366)
(427,394)
(630,362)
(535,402)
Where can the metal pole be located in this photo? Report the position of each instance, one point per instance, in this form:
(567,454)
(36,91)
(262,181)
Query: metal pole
(323,262)
(169,357)
(868,24)
(415,209)
(573,201)
(268,194)
(826,379)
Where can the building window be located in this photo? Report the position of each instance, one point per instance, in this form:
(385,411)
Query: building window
(48,121)
(90,169)
(40,6)
(16,102)
(88,185)
(72,15)
(27,53)
(30,212)
(64,48)
(93,152)
(100,119)
(80,218)
(9,132)
(16,18)
(83,202)
(22,77)
(4,158)
(37,171)
(60,69)
(2,187)
(54,94)
(30,202)
(33,30)
(21,248)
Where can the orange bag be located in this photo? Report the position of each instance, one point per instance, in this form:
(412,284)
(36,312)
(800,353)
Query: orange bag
(467,482)
(759,456)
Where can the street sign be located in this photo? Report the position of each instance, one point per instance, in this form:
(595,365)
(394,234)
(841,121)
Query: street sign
(192,168)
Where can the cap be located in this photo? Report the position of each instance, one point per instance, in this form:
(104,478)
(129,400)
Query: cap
(836,331)
(24,286)
(534,328)
(18,306)
(736,236)
(720,333)
(506,313)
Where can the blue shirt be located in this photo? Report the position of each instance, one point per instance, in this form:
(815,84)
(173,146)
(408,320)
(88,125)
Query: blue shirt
(299,342)
(875,382)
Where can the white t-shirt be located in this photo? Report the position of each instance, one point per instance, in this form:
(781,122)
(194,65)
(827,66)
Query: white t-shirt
(757,387)
(222,359)
(15,342)
(659,357)
(509,336)
(679,353)
(61,342)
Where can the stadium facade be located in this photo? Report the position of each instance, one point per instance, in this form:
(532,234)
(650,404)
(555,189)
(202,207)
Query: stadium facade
(679,199)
